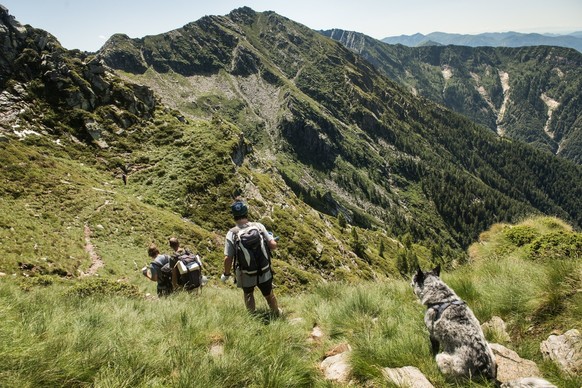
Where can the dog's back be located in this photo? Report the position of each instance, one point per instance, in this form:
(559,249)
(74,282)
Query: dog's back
(452,325)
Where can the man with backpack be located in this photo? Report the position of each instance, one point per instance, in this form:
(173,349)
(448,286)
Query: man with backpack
(247,249)
(159,271)
(187,267)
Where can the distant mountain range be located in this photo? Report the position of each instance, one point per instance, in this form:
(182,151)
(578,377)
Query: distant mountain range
(493,39)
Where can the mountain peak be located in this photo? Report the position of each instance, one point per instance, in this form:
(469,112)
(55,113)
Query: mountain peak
(243,15)
(9,20)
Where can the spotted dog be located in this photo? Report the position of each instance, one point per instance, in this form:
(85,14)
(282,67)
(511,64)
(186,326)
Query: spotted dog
(453,326)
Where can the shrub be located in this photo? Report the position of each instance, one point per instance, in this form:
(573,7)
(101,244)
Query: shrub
(90,287)
(36,281)
(556,245)
(520,235)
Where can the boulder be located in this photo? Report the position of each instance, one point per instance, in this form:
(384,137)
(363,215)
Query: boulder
(337,368)
(496,328)
(407,376)
(565,350)
(510,366)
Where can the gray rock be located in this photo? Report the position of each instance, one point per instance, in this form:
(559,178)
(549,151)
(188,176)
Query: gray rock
(565,350)
(528,382)
(510,366)
(407,376)
(337,368)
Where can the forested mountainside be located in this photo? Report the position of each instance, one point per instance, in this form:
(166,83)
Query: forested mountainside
(365,145)
(332,155)
(531,94)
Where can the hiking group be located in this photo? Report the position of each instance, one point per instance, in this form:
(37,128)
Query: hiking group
(247,252)
(180,270)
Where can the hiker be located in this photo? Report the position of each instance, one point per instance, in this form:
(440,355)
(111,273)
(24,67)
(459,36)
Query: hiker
(187,268)
(247,249)
(175,245)
(159,271)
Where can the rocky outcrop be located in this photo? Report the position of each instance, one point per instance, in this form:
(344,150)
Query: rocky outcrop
(511,366)
(21,49)
(121,52)
(565,350)
(242,149)
(34,65)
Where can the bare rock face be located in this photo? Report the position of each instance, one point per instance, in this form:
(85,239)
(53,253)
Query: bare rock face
(510,366)
(565,350)
(407,376)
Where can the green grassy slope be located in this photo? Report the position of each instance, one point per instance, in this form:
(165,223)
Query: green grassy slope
(91,332)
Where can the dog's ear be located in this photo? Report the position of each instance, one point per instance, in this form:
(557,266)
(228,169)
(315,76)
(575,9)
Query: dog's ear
(437,270)
(419,276)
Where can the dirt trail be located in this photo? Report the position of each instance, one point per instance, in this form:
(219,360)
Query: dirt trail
(96,261)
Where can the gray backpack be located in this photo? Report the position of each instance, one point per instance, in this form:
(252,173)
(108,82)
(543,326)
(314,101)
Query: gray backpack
(252,255)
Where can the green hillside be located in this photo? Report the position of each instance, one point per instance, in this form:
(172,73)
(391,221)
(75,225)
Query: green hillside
(343,137)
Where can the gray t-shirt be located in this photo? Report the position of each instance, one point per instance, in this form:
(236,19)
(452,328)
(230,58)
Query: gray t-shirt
(158,263)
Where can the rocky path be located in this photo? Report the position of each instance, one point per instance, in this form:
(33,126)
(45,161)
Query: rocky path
(96,261)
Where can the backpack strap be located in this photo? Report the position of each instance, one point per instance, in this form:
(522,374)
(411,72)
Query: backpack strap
(235,240)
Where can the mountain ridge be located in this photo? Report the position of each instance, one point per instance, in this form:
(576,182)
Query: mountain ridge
(493,39)
(505,89)
(294,69)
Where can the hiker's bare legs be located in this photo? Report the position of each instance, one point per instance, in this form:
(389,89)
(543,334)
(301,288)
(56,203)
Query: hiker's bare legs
(272,302)
(250,301)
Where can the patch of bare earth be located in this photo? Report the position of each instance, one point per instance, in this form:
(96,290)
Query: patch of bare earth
(552,106)
(96,261)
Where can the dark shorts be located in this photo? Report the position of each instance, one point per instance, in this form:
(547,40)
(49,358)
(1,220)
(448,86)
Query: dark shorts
(265,288)
(163,291)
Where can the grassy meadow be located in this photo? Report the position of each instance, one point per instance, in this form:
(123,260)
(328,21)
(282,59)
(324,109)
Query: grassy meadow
(106,333)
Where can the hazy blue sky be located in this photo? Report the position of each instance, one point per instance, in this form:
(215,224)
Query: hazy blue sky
(86,24)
